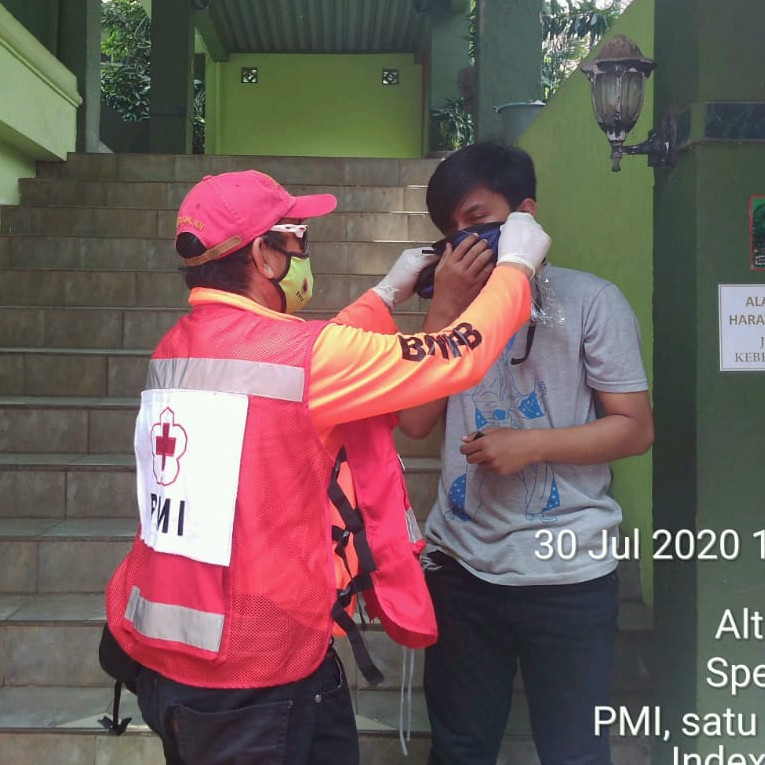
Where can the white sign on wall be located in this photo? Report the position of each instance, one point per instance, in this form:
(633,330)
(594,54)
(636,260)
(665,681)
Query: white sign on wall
(742,327)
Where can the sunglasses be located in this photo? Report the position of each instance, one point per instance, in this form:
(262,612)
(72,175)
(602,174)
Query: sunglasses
(300,230)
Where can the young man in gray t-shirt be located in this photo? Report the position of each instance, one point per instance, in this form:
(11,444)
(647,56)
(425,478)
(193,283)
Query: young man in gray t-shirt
(525,457)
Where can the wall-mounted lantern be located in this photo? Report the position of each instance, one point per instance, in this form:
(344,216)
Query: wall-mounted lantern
(617,77)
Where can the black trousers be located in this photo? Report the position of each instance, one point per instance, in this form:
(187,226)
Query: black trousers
(308,722)
(560,636)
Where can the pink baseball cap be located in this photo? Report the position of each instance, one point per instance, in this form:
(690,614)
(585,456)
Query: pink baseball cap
(229,210)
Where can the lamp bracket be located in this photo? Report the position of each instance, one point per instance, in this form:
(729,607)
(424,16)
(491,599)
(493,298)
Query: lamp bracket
(659,147)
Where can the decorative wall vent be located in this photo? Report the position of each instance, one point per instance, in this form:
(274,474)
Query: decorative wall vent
(390,76)
(249,75)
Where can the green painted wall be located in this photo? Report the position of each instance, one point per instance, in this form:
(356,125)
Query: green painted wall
(315,105)
(707,467)
(711,424)
(601,221)
(730,416)
(13,165)
(38,108)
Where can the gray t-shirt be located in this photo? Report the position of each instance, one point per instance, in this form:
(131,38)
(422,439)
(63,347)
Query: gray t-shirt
(489,522)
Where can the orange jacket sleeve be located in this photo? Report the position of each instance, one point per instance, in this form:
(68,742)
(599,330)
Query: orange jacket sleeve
(356,373)
(368,312)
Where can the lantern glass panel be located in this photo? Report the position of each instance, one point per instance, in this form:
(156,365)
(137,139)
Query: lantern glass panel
(605,99)
(632,98)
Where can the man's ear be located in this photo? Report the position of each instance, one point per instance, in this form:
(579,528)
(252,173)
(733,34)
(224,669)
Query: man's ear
(528,206)
(263,259)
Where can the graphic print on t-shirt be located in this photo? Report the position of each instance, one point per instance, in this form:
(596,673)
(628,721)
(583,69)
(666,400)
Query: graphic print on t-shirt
(500,402)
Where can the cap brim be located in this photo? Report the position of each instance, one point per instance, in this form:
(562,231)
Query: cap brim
(313,205)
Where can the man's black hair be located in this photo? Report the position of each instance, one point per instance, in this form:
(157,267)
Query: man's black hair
(230,273)
(505,170)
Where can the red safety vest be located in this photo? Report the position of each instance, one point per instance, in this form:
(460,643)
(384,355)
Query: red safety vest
(252,608)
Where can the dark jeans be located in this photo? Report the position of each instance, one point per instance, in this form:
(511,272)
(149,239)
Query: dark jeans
(561,637)
(308,722)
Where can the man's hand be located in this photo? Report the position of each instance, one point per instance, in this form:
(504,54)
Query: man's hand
(501,450)
(624,430)
(522,242)
(398,284)
(460,275)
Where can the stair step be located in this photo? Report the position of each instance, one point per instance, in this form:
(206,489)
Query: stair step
(76,425)
(94,354)
(87,253)
(159,289)
(162,195)
(51,639)
(29,329)
(73,253)
(61,725)
(135,254)
(62,284)
(189,168)
(58,328)
(61,556)
(66,372)
(74,486)
(160,224)
(94,422)
(71,486)
(31,287)
(82,512)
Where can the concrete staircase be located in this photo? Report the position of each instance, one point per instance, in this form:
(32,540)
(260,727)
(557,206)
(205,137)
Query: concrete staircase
(89,283)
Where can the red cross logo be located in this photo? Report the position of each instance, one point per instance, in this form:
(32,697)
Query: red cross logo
(168,445)
(165,444)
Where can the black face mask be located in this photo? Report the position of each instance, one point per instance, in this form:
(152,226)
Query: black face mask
(488,231)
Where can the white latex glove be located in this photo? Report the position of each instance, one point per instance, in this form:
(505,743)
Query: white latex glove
(398,284)
(522,240)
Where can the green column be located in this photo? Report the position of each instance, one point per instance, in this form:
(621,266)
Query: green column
(79,48)
(449,30)
(172,66)
(710,424)
(509,60)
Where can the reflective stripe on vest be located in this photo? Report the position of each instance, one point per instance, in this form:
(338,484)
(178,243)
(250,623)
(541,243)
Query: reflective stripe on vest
(252,378)
(176,623)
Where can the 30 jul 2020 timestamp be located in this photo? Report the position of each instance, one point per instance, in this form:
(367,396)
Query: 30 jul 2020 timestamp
(668,545)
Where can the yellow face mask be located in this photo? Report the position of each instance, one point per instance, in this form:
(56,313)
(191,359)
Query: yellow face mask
(296,285)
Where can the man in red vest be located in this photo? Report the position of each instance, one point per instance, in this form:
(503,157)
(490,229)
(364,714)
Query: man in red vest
(226,597)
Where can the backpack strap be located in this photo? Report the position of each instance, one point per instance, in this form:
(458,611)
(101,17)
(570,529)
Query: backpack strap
(352,519)
(113,724)
(352,530)
(122,668)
